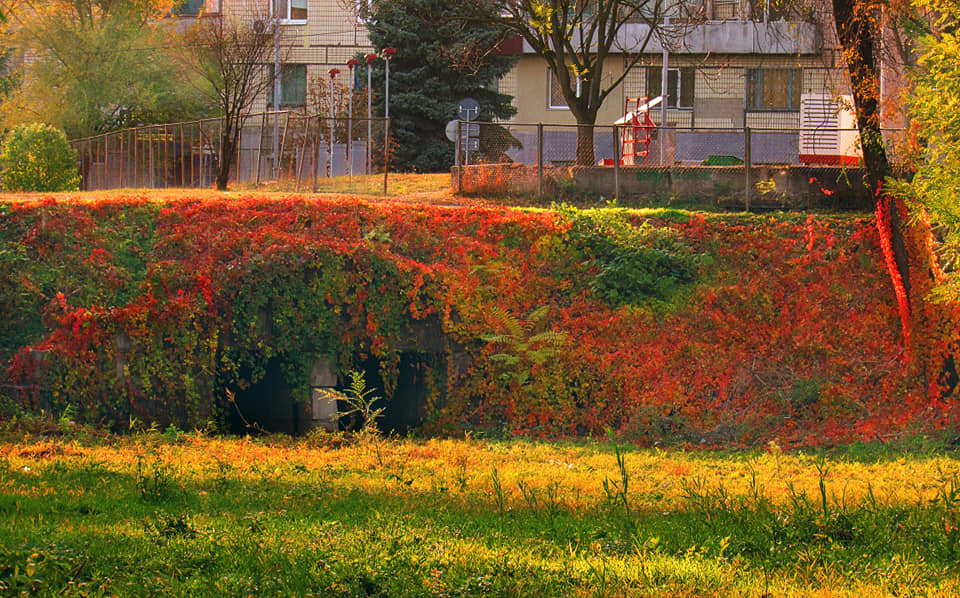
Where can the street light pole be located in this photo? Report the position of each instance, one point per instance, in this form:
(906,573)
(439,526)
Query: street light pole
(387,53)
(333,76)
(370,58)
(351,64)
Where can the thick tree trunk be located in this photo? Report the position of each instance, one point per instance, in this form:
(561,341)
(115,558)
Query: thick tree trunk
(858,26)
(585,153)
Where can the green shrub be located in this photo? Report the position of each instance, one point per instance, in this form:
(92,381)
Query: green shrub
(38,157)
(631,262)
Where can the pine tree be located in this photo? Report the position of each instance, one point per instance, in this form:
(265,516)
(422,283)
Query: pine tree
(441,58)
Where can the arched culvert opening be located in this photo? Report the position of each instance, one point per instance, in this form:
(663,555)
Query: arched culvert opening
(266,406)
(417,375)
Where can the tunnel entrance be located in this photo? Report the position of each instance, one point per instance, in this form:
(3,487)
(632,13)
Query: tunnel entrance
(269,405)
(417,377)
(266,406)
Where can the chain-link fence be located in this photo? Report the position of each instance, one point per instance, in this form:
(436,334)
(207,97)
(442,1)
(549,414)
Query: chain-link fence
(632,159)
(282,150)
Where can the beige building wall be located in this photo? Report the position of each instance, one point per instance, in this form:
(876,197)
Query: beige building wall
(720,89)
(332,34)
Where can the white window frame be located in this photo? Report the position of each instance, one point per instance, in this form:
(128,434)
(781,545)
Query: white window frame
(283,8)
(551,105)
(674,100)
(288,69)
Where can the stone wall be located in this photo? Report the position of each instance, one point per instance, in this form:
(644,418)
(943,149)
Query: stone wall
(774,186)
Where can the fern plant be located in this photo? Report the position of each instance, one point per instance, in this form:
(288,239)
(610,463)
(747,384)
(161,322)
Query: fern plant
(526,343)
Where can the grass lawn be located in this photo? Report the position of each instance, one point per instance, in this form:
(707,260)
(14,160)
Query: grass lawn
(187,514)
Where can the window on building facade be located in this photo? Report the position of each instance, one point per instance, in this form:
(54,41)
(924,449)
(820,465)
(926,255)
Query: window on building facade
(679,85)
(291,10)
(777,10)
(773,89)
(724,10)
(186,8)
(293,86)
(556,99)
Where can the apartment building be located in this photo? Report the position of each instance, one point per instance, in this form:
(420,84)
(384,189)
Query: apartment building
(315,36)
(735,64)
(740,64)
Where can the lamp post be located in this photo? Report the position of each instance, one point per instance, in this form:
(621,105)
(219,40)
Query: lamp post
(387,53)
(276,90)
(333,76)
(351,64)
(369,58)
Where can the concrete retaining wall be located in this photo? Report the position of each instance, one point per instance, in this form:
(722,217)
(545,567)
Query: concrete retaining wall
(774,186)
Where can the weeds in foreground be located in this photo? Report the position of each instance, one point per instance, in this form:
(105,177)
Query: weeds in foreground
(577,520)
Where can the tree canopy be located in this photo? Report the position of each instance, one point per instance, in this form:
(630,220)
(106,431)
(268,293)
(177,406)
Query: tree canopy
(441,58)
(91,66)
(935,116)
(230,57)
(576,37)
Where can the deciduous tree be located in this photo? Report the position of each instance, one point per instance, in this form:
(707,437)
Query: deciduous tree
(232,57)
(576,38)
(91,66)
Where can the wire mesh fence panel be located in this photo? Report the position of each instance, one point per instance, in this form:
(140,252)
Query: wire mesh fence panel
(637,160)
(282,150)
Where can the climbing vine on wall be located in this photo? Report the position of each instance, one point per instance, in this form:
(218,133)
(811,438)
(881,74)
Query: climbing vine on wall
(770,327)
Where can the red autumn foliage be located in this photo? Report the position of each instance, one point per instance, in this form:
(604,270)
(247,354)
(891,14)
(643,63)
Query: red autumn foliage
(791,333)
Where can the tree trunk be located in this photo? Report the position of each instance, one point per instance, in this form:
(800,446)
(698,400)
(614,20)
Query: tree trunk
(228,146)
(585,154)
(856,23)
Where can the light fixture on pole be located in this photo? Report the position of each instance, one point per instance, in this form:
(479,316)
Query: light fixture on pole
(369,58)
(333,77)
(387,53)
(351,64)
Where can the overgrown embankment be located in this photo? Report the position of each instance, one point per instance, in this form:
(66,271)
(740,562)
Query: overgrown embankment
(661,325)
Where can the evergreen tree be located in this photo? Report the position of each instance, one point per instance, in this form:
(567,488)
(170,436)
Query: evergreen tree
(441,58)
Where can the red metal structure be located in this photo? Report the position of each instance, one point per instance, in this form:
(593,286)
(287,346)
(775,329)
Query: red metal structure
(637,130)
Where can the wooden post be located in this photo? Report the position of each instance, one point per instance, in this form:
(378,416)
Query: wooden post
(747,163)
(616,163)
(539,159)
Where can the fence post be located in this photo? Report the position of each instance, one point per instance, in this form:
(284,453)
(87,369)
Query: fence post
(263,124)
(106,160)
(316,153)
(457,161)
(122,160)
(301,156)
(202,178)
(539,160)
(747,164)
(239,154)
(283,141)
(150,150)
(183,166)
(386,154)
(616,163)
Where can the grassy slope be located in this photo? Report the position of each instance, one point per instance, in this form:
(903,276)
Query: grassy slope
(184,514)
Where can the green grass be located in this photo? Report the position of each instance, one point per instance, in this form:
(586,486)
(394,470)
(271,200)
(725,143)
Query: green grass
(186,514)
